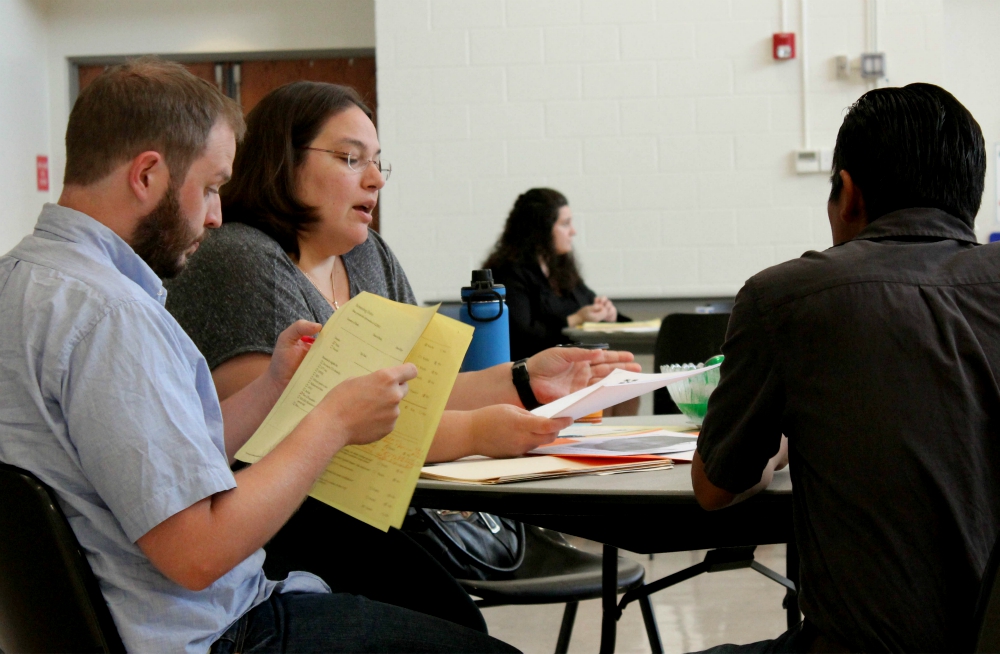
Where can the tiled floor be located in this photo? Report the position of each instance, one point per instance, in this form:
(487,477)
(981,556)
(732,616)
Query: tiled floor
(736,606)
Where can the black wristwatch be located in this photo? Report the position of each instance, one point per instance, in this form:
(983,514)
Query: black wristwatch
(522,382)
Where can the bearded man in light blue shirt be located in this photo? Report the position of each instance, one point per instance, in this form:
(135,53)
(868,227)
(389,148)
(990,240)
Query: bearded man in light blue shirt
(106,399)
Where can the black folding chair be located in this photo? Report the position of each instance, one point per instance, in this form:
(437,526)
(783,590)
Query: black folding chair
(554,572)
(49,597)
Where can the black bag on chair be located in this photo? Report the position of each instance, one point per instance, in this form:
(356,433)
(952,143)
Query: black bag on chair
(470,545)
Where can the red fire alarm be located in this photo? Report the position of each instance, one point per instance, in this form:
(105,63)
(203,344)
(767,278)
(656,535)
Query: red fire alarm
(784,45)
(42,172)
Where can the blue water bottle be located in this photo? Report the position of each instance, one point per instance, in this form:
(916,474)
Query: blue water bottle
(484,307)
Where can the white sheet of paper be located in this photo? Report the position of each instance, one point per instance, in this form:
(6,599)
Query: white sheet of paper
(581,430)
(659,441)
(619,386)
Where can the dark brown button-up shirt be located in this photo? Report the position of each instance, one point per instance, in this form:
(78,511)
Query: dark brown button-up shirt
(878,359)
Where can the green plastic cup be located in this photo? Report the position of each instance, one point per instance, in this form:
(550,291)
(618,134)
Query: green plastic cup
(691,394)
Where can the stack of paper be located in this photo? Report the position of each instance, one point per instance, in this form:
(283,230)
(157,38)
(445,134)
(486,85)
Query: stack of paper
(503,471)
(374,482)
(637,442)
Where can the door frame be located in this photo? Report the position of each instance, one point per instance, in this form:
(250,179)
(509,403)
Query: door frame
(217,57)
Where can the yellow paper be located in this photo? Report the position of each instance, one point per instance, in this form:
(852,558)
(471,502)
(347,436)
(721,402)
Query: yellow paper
(366,334)
(372,482)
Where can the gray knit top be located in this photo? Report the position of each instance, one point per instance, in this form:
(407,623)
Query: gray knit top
(240,290)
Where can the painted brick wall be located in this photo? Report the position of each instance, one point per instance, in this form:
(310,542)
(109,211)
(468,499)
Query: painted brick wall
(23,117)
(665,122)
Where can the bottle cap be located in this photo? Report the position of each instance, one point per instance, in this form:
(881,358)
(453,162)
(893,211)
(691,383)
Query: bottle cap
(482,278)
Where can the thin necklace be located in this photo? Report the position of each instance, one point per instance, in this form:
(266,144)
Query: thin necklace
(333,287)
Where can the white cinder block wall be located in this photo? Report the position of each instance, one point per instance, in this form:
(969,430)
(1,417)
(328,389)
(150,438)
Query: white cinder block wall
(24,132)
(666,122)
(972,74)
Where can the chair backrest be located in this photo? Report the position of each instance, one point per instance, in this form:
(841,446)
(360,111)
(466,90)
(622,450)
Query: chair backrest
(686,338)
(987,618)
(49,598)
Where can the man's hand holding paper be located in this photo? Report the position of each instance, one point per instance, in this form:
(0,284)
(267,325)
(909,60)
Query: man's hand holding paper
(374,400)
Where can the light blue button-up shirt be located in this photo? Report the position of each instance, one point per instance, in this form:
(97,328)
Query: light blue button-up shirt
(106,399)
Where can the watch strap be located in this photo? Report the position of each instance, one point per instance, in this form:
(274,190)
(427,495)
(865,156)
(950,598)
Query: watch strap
(522,383)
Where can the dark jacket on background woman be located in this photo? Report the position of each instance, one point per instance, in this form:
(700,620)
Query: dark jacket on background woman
(537,313)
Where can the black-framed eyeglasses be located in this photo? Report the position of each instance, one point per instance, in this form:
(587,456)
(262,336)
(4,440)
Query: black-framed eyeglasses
(357,164)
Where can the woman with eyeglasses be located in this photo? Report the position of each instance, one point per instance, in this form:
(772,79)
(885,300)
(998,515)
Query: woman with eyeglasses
(296,244)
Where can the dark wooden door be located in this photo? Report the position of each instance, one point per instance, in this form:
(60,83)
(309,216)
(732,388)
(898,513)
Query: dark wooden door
(261,77)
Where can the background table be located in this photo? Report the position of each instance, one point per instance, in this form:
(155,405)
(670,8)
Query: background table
(644,512)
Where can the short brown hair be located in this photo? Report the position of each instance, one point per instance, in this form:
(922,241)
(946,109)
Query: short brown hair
(285,121)
(145,104)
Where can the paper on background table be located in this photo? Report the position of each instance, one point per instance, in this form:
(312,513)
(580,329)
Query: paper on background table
(366,334)
(643,326)
(501,471)
(619,386)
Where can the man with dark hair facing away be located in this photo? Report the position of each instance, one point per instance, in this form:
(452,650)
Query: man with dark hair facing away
(877,359)
(105,398)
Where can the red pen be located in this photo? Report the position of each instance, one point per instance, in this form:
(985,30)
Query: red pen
(308,340)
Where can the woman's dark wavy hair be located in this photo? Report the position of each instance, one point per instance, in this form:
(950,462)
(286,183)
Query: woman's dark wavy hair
(914,146)
(527,237)
(262,191)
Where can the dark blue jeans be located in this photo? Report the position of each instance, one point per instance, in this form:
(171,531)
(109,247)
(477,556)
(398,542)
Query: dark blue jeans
(339,622)
(358,559)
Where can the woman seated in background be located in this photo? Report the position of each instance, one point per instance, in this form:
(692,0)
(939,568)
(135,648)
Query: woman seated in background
(534,261)
(296,245)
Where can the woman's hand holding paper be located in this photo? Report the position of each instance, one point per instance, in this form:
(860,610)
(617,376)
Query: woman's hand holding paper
(504,430)
(498,431)
(290,350)
(556,372)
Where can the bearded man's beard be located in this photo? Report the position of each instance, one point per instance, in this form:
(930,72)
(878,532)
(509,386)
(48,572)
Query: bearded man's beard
(162,236)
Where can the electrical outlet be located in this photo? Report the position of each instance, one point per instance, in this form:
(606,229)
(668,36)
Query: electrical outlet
(843,63)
